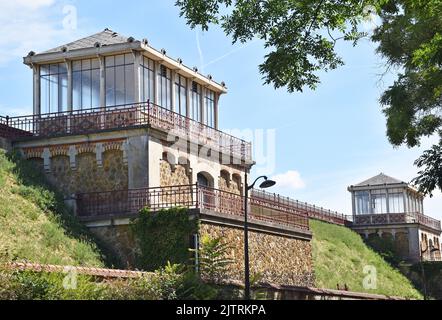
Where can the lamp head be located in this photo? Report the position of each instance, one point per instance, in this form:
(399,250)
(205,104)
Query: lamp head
(267,183)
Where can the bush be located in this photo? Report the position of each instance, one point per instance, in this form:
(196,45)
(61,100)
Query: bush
(163,237)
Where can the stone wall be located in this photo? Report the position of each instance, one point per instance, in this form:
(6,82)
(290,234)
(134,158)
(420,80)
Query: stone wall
(230,185)
(275,259)
(120,241)
(174,175)
(87,176)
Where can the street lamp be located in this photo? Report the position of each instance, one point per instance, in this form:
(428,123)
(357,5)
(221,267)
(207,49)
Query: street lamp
(267,183)
(424,280)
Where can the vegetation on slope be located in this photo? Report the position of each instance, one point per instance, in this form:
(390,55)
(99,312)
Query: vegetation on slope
(35,225)
(340,256)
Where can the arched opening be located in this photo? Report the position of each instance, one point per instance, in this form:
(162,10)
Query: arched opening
(169,158)
(224,180)
(204,179)
(236,184)
(207,194)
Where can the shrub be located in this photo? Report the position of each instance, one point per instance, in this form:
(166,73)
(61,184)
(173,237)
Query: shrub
(163,237)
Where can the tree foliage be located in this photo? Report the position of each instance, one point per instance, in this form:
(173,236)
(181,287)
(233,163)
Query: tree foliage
(410,39)
(430,177)
(300,36)
(213,260)
(163,237)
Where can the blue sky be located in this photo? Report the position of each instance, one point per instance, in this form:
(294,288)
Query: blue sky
(325,140)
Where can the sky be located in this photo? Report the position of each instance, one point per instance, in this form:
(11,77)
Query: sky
(314,144)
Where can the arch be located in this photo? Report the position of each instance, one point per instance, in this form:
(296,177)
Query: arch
(204,179)
(236,183)
(402,244)
(169,158)
(224,180)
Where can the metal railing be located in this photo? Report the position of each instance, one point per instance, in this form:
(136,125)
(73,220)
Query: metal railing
(313,212)
(130,202)
(126,116)
(8,132)
(392,218)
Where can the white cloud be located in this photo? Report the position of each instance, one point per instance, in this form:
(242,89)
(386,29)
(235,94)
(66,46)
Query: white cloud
(32,4)
(290,180)
(30,25)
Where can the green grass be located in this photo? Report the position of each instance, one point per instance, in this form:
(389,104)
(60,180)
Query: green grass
(339,257)
(35,225)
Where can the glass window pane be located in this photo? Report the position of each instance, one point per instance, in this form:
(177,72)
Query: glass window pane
(44,92)
(119,85)
(95,88)
(63,92)
(362,203)
(129,58)
(379,202)
(95,64)
(62,68)
(76,90)
(86,64)
(110,86)
(110,61)
(119,60)
(129,84)
(76,65)
(53,104)
(54,68)
(44,69)
(86,88)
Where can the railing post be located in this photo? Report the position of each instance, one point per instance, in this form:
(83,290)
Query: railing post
(197,196)
(148,112)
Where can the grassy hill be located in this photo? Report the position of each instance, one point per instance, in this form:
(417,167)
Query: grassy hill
(34,223)
(339,257)
(36,226)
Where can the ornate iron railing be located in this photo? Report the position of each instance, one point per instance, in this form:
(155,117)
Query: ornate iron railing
(393,218)
(129,202)
(313,212)
(125,116)
(8,132)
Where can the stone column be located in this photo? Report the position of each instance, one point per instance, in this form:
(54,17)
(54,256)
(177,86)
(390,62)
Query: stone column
(37,90)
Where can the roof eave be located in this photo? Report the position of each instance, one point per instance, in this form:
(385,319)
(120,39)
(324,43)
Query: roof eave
(185,71)
(52,57)
(81,53)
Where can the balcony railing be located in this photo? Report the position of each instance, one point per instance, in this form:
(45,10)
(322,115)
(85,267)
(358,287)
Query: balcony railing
(393,218)
(313,212)
(129,202)
(8,132)
(120,117)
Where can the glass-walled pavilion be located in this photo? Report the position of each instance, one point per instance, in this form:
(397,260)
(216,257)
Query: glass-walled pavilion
(385,195)
(119,71)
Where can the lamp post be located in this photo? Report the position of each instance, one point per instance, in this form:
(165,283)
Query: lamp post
(424,280)
(264,185)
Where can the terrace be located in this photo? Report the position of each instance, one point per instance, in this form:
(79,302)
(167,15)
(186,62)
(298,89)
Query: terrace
(216,202)
(127,116)
(397,218)
(264,207)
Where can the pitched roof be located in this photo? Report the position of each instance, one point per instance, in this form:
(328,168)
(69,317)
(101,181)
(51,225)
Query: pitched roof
(380,179)
(105,38)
